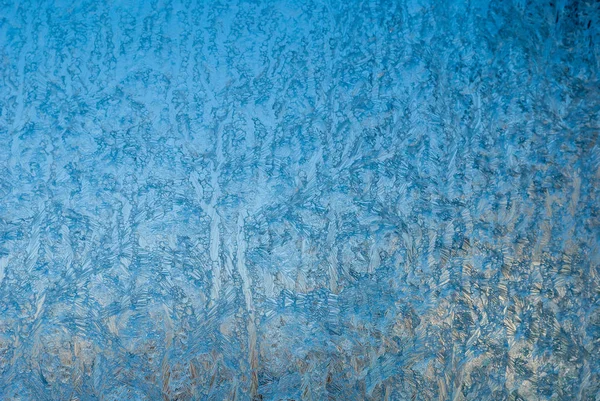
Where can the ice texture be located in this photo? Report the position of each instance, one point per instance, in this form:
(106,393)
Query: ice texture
(299,200)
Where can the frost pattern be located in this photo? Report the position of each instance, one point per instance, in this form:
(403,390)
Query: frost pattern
(299,200)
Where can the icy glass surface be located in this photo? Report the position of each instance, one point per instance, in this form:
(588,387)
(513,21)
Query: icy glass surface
(299,200)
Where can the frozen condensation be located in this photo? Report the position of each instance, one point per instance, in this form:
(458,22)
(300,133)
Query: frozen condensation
(299,200)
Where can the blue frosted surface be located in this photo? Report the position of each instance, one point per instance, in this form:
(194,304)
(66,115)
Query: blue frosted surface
(299,200)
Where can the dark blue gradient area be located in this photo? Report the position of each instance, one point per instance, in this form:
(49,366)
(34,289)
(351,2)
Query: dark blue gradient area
(299,200)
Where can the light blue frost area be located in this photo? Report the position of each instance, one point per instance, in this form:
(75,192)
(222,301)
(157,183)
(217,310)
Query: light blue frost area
(299,200)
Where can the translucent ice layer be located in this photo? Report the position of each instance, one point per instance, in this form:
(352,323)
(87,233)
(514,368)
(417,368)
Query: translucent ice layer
(299,200)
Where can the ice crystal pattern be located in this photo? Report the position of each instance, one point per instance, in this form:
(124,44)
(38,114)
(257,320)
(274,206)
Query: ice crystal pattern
(299,200)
